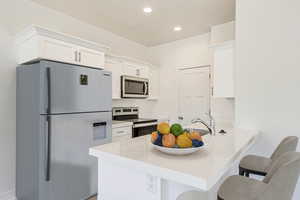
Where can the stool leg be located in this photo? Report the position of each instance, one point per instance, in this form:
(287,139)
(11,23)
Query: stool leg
(241,172)
(247,174)
(219,198)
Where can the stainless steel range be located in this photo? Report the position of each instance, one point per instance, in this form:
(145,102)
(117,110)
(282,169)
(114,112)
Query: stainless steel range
(141,126)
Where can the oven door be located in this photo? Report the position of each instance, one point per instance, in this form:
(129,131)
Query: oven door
(134,87)
(144,129)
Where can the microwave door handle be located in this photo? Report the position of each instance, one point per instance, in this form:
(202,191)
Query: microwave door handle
(146,89)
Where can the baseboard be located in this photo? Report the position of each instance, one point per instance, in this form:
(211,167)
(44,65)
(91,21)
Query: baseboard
(10,195)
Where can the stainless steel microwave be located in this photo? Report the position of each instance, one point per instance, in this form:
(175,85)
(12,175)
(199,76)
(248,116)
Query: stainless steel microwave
(134,87)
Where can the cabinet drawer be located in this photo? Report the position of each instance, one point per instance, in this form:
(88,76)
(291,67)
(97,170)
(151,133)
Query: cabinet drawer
(123,133)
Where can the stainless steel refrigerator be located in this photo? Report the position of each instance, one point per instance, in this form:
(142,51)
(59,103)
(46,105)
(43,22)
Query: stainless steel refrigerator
(62,111)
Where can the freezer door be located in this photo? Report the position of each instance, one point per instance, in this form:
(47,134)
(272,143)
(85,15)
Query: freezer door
(72,172)
(72,89)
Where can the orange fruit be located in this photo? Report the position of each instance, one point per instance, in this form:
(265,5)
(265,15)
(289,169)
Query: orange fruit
(195,136)
(169,140)
(154,136)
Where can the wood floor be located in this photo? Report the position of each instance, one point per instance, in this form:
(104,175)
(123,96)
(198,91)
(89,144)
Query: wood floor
(93,198)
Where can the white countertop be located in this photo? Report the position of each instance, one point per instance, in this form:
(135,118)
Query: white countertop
(201,170)
(120,124)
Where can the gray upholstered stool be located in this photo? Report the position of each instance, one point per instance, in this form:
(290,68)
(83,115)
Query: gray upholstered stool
(259,165)
(279,183)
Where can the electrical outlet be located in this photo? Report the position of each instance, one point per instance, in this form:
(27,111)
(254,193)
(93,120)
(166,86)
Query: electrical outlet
(151,183)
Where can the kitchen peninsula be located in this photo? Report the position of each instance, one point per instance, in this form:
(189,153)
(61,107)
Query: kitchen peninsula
(134,170)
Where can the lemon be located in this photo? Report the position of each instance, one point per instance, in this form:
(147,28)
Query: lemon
(163,128)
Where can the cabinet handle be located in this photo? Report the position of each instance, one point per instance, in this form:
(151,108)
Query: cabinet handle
(79,56)
(120,132)
(137,72)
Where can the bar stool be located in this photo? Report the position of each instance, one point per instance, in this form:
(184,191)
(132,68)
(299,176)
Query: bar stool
(279,183)
(259,165)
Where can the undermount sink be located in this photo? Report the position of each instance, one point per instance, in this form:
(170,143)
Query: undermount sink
(201,131)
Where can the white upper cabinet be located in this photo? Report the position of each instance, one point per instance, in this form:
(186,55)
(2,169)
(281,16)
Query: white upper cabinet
(223,70)
(36,43)
(143,72)
(90,57)
(154,83)
(130,69)
(120,66)
(137,70)
(116,69)
(54,50)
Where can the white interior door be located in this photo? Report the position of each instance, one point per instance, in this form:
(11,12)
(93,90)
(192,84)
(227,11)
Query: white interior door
(194,94)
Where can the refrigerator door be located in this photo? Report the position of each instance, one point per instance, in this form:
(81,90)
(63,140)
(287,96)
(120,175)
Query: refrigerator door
(72,172)
(74,89)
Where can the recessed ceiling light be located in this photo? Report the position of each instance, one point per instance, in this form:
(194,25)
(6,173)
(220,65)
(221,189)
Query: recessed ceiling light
(147,10)
(177,28)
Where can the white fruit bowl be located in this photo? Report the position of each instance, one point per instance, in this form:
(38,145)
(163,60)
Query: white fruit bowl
(177,151)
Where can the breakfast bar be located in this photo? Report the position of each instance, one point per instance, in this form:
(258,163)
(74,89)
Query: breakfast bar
(134,170)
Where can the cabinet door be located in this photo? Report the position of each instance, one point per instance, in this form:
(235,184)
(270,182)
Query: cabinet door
(143,72)
(116,70)
(130,70)
(153,83)
(58,51)
(224,72)
(121,134)
(91,58)
(135,70)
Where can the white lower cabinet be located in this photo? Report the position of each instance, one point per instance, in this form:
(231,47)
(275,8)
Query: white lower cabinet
(121,133)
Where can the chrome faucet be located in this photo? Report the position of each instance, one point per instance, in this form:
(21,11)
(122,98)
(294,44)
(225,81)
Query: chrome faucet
(211,126)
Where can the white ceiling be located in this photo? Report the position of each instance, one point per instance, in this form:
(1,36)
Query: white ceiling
(126,17)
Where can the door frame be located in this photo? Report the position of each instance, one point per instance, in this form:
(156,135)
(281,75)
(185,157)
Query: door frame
(180,69)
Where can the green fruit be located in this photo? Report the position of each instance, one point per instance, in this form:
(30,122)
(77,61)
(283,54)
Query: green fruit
(176,129)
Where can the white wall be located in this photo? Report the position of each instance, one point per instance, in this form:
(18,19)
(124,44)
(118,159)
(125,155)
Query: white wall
(14,16)
(268,70)
(7,117)
(222,33)
(190,52)
(17,14)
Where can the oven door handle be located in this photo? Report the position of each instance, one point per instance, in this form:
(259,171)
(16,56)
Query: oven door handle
(144,124)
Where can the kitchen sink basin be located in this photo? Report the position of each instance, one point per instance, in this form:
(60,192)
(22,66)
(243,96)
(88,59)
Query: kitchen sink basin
(201,131)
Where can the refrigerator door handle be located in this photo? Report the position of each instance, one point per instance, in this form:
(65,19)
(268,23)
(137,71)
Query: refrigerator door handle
(49,130)
(48,150)
(49,109)
(99,124)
